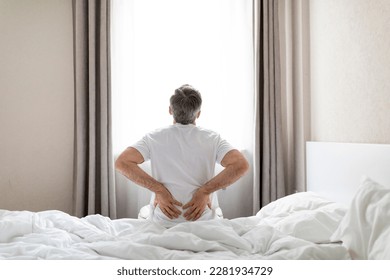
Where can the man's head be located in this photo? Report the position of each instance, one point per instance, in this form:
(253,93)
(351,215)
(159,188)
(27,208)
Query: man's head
(185,104)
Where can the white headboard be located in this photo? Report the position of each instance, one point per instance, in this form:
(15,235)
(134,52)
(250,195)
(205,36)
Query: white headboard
(334,170)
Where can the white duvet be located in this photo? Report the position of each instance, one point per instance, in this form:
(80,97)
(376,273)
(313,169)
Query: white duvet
(295,227)
(365,229)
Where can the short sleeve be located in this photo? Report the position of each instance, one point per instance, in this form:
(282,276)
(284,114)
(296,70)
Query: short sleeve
(142,147)
(223,148)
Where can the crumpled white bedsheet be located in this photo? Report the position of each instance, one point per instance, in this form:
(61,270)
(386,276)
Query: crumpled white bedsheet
(365,229)
(299,231)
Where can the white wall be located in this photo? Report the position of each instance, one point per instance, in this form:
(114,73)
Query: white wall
(36,105)
(350,73)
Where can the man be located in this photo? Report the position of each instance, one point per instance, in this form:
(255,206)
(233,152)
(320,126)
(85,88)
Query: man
(183,158)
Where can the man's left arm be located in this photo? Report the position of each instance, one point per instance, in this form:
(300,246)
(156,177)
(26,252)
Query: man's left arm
(235,167)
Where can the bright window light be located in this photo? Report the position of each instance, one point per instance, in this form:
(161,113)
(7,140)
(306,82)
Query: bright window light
(157,46)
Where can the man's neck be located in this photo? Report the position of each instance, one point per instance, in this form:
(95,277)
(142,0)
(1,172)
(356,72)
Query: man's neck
(174,122)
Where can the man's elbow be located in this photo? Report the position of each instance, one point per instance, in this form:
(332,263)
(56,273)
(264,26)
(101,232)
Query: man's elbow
(244,167)
(120,165)
(117,164)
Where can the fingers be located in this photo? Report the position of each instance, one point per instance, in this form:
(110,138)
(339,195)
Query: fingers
(177,202)
(194,211)
(169,208)
(198,215)
(196,207)
(175,211)
(167,204)
(193,214)
(187,205)
(170,211)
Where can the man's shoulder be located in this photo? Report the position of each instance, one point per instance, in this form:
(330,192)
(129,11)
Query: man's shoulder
(160,130)
(173,130)
(207,131)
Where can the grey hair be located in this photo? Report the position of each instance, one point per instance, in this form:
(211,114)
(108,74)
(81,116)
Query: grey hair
(185,104)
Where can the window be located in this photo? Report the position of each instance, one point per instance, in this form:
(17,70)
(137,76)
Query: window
(158,46)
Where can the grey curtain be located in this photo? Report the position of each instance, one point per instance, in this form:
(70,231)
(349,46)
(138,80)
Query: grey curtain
(268,160)
(94,188)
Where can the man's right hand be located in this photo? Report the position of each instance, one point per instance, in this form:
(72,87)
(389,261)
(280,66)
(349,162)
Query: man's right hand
(166,202)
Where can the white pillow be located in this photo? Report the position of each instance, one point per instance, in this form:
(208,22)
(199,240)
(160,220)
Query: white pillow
(365,229)
(304,215)
(295,202)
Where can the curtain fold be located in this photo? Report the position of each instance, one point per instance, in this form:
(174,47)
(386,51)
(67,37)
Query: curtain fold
(268,163)
(295,65)
(94,186)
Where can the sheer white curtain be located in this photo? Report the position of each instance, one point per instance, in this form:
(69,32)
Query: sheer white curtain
(159,45)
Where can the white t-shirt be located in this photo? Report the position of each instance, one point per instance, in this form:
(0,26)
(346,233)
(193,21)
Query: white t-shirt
(183,159)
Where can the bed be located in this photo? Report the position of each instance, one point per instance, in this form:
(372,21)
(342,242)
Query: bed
(317,224)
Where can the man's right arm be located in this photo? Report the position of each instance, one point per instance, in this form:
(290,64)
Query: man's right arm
(127,164)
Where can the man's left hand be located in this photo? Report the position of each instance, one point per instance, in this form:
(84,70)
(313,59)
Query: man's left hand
(200,200)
